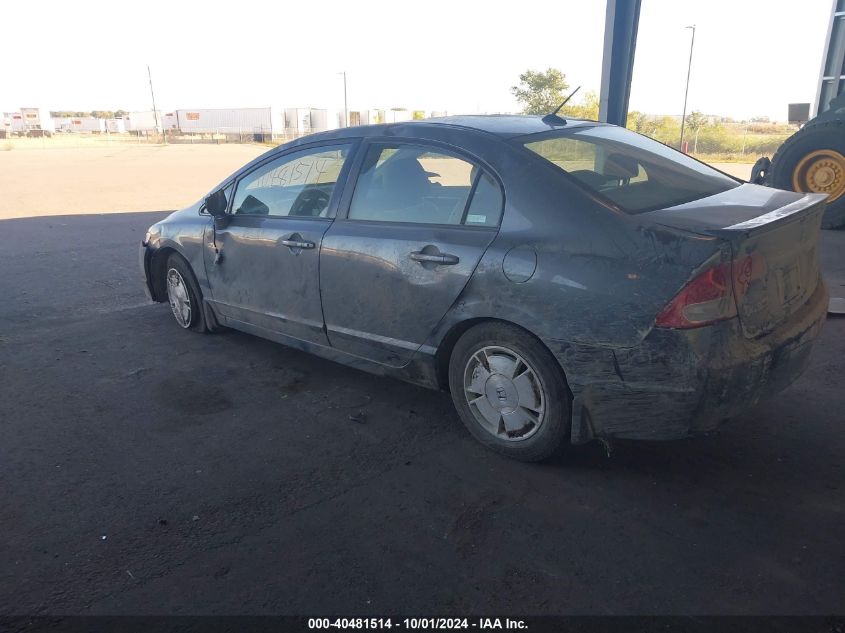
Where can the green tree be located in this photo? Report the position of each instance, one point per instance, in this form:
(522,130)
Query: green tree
(540,92)
(588,108)
(696,121)
(642,123)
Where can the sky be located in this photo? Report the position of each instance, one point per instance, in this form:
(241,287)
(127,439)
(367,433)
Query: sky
(750,58)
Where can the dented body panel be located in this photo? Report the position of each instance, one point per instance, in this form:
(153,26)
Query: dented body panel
(585,278)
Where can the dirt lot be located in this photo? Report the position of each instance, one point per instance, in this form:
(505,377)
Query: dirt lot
(113,178)
(147,470)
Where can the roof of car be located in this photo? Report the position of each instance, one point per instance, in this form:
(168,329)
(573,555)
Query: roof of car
(501,125)
(506,125)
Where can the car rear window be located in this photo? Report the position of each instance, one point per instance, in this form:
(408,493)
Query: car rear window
(631,171)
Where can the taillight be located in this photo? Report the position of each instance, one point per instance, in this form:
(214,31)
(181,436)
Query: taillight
(707,298)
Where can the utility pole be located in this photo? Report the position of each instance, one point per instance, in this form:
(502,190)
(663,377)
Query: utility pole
(155,112)
(686,92)
(345,106)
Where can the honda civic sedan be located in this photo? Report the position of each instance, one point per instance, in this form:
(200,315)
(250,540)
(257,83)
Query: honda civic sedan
(563,279)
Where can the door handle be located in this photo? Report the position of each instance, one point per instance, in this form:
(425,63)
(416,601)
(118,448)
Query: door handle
(443,258)
(297,244)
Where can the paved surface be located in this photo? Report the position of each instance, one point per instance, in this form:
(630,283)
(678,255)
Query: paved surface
(147,470)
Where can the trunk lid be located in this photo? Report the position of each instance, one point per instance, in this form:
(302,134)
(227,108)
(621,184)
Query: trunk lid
(774,240)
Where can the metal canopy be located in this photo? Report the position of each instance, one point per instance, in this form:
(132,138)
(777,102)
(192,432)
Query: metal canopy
(620,41)
(832,76)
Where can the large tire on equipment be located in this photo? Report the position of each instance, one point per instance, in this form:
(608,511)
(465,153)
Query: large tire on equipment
(813,160)
(510,392)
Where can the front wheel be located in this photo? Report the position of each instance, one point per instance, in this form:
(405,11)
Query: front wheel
(509,392)
(183,295)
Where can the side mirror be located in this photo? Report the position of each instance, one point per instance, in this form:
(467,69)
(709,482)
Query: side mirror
(216,204)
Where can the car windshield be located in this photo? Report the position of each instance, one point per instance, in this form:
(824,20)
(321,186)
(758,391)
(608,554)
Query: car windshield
(631,171)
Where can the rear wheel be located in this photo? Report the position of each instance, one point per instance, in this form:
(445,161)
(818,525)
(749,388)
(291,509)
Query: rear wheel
(509,392)
(813,160)
(183,295)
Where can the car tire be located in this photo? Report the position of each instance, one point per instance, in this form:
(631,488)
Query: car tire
(184,295)
(498,370)
(806,148)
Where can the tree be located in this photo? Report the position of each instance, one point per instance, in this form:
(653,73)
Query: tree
(696,121)
(540,92)
(642,123)
(588,108)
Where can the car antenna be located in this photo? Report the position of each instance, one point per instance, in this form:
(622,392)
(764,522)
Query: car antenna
(553,118)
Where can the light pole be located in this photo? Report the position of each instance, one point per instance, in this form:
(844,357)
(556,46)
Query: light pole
(345,107)
(686,92)
(155,112)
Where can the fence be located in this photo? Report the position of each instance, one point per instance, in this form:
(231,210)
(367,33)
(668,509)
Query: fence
(174,137)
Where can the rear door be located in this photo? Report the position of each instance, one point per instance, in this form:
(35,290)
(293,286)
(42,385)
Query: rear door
(416,225)
(263,268)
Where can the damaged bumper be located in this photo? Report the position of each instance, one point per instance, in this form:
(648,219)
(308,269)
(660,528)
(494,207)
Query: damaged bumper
(678,383)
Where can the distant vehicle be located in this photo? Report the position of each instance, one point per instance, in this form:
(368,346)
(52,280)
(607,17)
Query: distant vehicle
(563,279)
(37,122)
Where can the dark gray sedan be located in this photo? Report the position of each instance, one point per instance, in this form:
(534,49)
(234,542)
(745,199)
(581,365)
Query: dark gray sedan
(564,280)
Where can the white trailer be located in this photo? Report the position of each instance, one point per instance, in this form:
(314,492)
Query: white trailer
(320,120)
(143,121)
(62,123)
(228,121)
(87,124)
(397,116)
(115,126)
(17,123)
(297,121)
(171,122)
(37,120)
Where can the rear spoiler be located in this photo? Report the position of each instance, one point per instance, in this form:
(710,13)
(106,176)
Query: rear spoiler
(809,204)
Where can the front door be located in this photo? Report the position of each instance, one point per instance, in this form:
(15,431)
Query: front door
(263,268)
(418,223)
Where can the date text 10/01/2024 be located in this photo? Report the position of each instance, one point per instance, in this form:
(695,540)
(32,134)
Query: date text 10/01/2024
(417,623)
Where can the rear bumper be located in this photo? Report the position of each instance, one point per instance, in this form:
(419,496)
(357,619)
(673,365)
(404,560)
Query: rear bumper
(683,382)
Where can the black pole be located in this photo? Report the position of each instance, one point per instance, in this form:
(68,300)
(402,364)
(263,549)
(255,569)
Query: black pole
(686,92)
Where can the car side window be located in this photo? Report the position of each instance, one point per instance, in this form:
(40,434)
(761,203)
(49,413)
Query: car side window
(485,208)
(410,183)
(299,184)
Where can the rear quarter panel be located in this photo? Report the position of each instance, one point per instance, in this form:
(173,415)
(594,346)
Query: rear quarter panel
(601,276)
